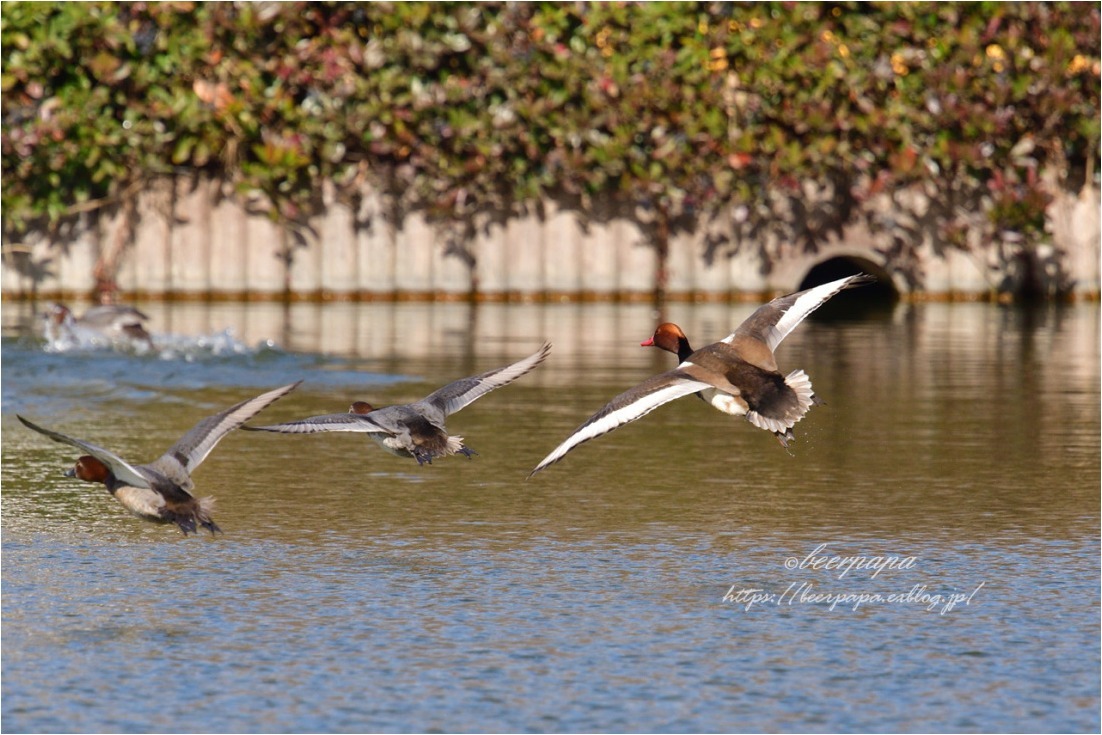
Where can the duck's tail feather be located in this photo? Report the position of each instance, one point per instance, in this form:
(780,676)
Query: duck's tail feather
(782,424)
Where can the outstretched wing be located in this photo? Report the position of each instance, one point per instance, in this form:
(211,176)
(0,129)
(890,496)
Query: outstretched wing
(120,468)
(774,321)
(627,407)
(184,456)
(455,396)
(330,422)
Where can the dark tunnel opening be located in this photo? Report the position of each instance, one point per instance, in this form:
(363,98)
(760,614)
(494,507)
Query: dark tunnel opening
(876,297)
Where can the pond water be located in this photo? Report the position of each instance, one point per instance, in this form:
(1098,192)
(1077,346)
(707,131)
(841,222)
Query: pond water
(670,576)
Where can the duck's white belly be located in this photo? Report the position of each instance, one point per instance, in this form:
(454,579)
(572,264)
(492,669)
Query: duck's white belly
(141,501)
(393,444)
(725,402)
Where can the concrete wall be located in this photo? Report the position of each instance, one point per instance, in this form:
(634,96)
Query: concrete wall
(194,238)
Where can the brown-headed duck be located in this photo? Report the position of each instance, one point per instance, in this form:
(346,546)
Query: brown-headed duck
(737,375)
(161,490)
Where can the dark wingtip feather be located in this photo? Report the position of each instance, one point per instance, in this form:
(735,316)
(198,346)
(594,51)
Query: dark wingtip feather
(860,279)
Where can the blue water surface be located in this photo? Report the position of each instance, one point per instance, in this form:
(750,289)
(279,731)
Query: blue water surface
(353,591)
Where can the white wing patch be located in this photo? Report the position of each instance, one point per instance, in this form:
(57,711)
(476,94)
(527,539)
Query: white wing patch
(790,310)
(623,409)
(807,302)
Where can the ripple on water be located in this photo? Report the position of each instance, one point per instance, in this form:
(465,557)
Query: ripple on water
(354,591)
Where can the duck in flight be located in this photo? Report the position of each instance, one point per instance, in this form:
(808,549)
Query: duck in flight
(415,429)
(737,375)
(161,490)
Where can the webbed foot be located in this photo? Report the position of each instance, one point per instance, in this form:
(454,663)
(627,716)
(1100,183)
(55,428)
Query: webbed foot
(784,438)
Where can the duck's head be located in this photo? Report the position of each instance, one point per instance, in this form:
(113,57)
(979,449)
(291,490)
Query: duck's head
(670,338)
(361,407)
(89,469)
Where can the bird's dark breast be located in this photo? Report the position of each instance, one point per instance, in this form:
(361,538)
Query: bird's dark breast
(112,483)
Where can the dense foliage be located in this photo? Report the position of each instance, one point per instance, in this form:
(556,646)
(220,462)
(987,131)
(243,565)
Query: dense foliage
(455,107)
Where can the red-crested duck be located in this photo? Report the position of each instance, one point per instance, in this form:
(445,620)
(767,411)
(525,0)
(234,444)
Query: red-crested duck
(737,375)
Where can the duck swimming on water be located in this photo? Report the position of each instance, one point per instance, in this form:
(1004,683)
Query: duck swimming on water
(114,322)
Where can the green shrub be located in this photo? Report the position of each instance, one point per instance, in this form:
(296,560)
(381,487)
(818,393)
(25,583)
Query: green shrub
(453,107)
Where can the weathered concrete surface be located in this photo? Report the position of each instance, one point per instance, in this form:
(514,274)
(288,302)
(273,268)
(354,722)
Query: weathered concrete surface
(194,238)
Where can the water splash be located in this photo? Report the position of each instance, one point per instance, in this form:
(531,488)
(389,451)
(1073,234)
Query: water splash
(189,348)
(219,344)
(86,369)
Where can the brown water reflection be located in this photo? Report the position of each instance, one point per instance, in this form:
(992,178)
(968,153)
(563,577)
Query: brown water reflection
(964,419)
(965,434)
